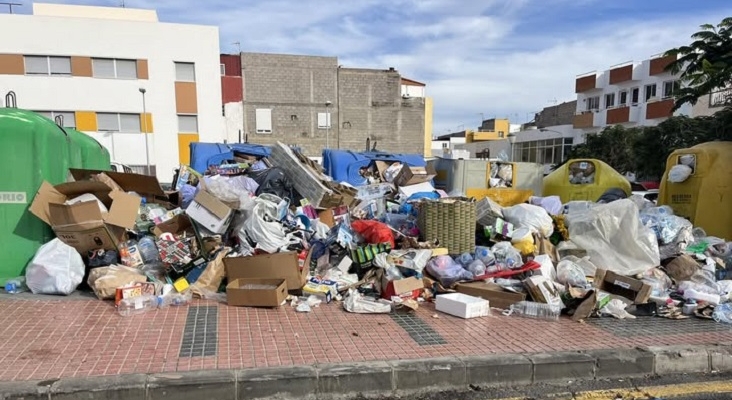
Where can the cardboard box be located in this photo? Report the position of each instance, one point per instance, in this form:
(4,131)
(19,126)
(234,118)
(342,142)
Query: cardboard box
(623,286)
(406,288)
(144,185)
(496,295)
(251,293)
(178,224)
(462,305)
(210,212)
(415,175)
(269,266)
(82,225)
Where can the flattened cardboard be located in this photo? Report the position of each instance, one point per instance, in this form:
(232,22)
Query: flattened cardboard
(236,295)
(124,210)
(268,266)
(495,294)
(138,183)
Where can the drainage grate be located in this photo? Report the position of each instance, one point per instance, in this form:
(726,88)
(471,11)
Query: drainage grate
(420,331)
(655,326)
(200,334)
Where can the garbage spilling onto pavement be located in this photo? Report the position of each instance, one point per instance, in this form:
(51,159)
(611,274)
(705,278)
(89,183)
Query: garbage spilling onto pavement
(271,231)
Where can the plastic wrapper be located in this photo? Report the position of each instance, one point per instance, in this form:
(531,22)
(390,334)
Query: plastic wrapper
(679,173)
(392,171)
(485,255)
(57,268)
(505,173)
(104,281)
(552,204)
(615,238)
(666,226)
(447,271)
(616,308)
(723,313)
(612,194)
(355,302)
(569,273)
(507,256)
(88,197)
(413,259)
(274,181)
(530,216)
(188,192)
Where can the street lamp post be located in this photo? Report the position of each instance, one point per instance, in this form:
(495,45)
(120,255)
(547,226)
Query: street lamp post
(327,124)
(144,130)
(511,140)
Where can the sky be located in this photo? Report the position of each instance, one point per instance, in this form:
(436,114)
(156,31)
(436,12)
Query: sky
(498,58)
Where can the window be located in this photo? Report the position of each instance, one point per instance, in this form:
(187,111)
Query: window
(650,91)
(115,122)
(47,65)
(113,68)
(185,72)
(187,124)
(670,88)
(263,120)
(69,118)
(610,100)
(623,98)
(223,69)
(323,120)
(593,103)
(634,95)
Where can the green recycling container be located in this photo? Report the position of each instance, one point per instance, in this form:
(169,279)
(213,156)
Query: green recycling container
(93,154)
(32,149)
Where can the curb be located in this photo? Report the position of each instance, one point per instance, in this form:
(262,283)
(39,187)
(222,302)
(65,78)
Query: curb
(379,378)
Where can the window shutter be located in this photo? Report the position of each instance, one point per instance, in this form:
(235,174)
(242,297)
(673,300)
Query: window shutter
(264,120)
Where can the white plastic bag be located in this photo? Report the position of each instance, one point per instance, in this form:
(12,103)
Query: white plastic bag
(264,230)
(57,268)
(679,173)
(615,238)
(530,216)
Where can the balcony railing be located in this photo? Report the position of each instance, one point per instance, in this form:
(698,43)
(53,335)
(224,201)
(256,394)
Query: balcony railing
(721,98)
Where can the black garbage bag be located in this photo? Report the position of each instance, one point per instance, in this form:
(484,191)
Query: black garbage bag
(275,181)
(611,195)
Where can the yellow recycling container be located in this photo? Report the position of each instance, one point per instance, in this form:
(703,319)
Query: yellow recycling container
(705,197)
(583,179)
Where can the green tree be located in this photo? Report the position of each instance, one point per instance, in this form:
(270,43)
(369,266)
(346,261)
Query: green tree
(705,64)
(614,145)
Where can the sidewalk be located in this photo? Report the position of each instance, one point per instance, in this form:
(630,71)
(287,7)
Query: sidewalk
(46,338)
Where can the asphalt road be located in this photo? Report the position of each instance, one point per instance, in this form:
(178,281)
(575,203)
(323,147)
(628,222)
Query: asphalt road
(681,387)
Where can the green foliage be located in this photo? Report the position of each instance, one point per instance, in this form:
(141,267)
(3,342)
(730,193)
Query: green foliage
(705,64)
(644,150)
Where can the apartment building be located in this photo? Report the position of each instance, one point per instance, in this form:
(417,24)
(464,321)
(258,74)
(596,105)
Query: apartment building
(314,103)
(142,88)
(630,94)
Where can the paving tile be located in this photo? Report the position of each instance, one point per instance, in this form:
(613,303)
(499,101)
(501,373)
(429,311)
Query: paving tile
(49,339)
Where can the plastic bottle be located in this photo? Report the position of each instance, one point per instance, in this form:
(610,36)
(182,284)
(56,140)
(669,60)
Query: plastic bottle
(16,285)
(723,313)
(477,268)
(175,299)
(535,310)
(465,259)
(712,299)
(485,255)
(149,250)
(137,305)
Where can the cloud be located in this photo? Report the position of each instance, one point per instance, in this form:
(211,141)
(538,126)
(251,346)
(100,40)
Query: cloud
(496,57)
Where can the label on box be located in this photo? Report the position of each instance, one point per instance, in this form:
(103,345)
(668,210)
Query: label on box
(624,285)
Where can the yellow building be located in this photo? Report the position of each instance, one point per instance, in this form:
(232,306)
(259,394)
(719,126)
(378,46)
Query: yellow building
(491,129)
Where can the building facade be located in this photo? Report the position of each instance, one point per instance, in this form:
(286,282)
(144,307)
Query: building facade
(314,103)
(95,77)
(628,94)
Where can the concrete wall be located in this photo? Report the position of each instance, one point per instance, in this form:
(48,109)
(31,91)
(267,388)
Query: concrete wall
(364,103)
(561,114)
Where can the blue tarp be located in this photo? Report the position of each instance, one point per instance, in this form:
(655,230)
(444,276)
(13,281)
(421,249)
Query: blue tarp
(344,165)
(204,155)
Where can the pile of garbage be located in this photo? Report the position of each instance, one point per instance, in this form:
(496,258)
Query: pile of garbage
(265,232)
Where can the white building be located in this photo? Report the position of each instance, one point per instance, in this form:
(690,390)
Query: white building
(628,94)
(89,64)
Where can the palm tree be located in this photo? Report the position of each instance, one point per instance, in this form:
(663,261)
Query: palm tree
(705,64)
